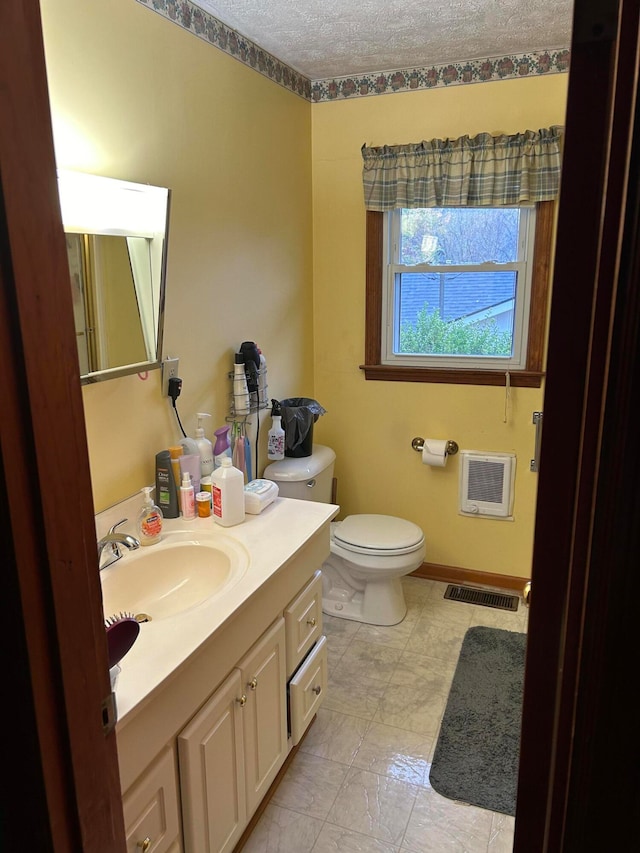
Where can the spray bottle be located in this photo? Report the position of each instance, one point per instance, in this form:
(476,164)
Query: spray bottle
(275,439)
(205,448)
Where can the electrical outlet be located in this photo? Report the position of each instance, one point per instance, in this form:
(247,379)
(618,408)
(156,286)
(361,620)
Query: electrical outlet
(169,370)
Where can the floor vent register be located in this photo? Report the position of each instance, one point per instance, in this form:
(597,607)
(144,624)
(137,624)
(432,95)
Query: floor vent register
(470,595)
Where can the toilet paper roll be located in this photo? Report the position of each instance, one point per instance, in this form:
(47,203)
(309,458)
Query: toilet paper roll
(434,452)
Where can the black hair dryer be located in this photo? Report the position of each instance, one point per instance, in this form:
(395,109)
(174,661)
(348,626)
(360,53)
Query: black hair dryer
(251,357)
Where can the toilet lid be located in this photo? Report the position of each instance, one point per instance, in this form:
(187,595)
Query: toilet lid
(378,534)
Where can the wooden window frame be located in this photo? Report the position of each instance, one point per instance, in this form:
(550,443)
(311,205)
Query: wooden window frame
(530,377)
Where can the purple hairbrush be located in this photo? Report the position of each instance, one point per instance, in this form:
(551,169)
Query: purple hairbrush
(122,632)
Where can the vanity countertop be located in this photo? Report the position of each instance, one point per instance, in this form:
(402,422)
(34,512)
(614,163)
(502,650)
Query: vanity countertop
(163,646)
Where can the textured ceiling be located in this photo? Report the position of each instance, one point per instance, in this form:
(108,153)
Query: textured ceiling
(327,38)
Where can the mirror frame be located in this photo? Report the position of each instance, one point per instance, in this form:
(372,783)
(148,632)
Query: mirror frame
(93,204)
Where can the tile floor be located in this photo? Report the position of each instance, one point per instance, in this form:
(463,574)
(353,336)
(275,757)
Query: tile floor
(360,780)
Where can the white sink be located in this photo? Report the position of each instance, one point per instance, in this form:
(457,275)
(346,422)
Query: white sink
(181,572)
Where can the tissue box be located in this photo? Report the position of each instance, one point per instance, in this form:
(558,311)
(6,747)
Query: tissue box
(258,494)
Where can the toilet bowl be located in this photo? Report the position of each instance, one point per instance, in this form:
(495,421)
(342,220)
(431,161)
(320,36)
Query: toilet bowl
(369,553)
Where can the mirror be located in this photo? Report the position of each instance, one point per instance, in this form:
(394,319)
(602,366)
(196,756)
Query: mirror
(116,233)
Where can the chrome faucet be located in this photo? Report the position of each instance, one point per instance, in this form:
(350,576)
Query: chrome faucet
(112,541)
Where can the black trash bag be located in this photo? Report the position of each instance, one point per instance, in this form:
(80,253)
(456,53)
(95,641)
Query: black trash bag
(298,417)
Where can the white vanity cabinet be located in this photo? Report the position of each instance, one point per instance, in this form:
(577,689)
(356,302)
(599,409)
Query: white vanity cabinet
(231,752)
(204,732)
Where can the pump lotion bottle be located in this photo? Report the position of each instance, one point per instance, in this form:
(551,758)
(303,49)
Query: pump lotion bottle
(205,448)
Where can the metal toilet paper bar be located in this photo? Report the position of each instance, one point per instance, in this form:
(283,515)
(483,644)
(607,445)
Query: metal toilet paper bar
(451,448)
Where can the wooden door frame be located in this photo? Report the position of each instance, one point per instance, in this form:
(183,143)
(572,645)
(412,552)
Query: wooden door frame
(586,505)
(63,794)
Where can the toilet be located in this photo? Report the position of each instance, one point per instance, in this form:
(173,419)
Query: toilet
(369,553)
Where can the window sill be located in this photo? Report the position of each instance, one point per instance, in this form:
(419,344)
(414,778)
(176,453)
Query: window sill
(388,373)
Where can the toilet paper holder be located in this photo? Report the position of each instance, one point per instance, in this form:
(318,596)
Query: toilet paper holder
(418,445)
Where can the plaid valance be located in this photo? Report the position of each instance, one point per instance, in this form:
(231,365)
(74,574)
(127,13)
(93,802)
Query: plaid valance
(464,172)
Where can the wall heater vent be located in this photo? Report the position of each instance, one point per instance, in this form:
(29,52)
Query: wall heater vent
(486,483)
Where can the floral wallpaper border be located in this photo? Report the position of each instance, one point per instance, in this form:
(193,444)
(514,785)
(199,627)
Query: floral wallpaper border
(210,29)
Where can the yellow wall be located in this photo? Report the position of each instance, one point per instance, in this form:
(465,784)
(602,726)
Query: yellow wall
(134,96)
(371,424)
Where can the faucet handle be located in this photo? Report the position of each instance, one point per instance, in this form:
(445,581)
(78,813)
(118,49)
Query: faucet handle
(115,550)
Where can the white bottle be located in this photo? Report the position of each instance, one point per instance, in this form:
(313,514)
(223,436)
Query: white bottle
(227,484)
(187,497)
(275,438)
(205,448)
(241,401)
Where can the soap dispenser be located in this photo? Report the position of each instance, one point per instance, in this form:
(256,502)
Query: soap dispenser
(149,520)
(205,448)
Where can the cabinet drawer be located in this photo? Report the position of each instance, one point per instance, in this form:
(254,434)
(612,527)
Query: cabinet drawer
(303,622)
(150,808)
(307,689)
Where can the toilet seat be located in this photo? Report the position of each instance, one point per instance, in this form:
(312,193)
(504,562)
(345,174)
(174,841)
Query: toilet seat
(377,535)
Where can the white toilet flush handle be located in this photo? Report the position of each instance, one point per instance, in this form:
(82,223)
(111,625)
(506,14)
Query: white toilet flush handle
(311,483)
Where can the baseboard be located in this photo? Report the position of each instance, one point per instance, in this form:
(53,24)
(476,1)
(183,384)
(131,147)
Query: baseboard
(453,574)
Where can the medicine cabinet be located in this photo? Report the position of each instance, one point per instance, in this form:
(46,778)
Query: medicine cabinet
(116,233)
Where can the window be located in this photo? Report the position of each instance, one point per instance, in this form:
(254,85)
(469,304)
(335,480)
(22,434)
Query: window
(458,294)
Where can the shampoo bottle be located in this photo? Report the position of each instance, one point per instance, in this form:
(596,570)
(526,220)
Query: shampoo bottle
(149,520)
(205,447)
(241,402)
(187,497)
(275,439)
(166,489)
(228,494)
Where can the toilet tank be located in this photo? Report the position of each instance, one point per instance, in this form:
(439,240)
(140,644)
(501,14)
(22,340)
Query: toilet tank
(307,478)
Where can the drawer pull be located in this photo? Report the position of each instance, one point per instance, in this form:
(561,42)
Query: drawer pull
(144,845)
(253,683)
(312,621)
(242,701)
(317,690)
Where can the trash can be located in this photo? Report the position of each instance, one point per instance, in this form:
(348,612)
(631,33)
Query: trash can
(299,414)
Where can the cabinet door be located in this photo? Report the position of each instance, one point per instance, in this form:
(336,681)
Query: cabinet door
(265,713)
(150,808)
(211,759)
